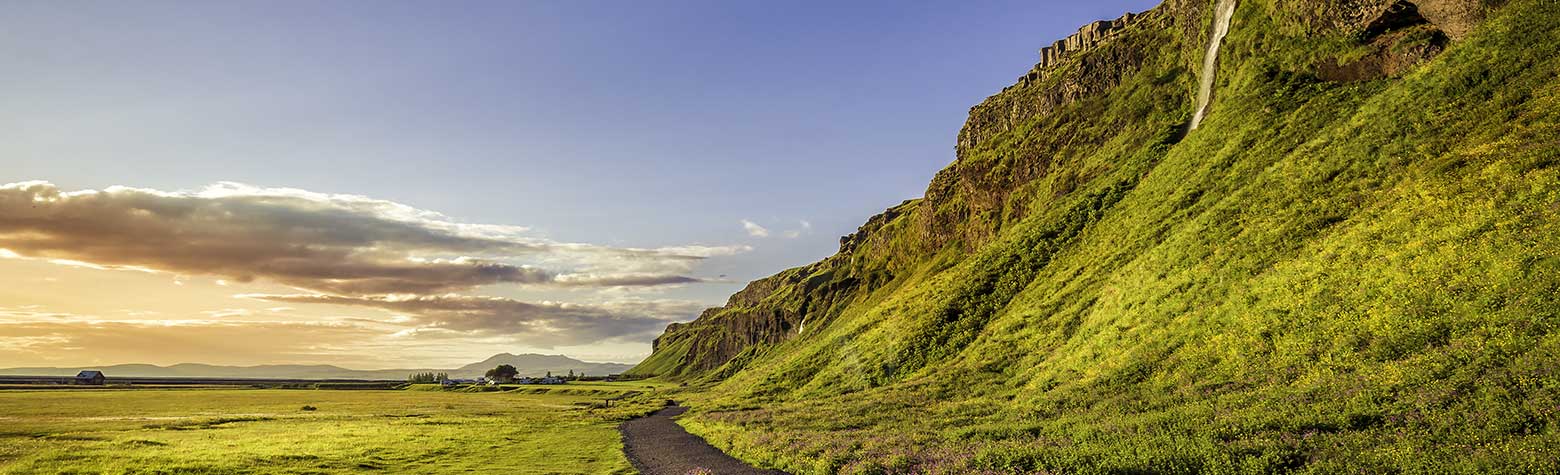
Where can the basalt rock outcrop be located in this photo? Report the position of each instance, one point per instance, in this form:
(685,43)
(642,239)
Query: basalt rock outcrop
(1399,35)
(776,308)
(1456,18)
(1091,66)
(1086,38)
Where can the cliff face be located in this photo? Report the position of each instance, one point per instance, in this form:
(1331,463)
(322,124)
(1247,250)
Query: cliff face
(965,205)
(1034,149)
(775,308)
(1352,265)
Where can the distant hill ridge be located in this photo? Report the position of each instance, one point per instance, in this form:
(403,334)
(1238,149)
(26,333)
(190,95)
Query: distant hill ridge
(529,364)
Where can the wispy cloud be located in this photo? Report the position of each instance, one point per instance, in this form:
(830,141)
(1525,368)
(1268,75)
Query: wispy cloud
(806,228)
(244,342)
(344,244)
(759,231)
(539,324)
(754,229)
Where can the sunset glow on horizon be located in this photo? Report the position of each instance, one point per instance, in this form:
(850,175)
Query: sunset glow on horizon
(233,274)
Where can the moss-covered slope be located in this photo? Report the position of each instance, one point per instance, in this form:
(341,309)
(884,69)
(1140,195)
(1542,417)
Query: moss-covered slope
(1335,272)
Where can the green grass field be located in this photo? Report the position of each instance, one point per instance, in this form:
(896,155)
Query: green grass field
(269,431)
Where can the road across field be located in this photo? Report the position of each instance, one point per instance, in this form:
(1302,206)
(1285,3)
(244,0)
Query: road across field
(656,445)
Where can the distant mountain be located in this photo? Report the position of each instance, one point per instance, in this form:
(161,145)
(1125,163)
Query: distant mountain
(528,364)
(534,364)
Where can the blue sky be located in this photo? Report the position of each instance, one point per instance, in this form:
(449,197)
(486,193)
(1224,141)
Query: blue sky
(624,124)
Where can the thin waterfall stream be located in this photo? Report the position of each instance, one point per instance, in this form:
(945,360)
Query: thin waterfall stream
(1224,10)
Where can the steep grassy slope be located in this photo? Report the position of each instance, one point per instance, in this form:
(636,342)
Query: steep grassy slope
(1337,272)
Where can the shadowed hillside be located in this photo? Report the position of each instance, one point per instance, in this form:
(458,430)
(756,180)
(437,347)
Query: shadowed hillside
(1350,265)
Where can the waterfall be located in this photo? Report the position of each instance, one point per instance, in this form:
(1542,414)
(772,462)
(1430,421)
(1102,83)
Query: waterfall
(1221,26)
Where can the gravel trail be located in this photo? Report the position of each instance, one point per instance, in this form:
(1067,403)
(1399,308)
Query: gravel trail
(656,445)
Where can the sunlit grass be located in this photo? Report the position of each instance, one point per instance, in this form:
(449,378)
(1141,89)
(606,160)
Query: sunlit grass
(1324,278)
(269,431)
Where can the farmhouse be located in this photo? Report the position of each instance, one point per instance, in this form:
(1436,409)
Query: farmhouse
(89,377)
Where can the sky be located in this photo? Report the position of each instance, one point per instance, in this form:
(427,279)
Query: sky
(424,184)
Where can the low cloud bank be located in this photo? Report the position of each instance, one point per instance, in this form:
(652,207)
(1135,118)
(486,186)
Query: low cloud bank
(344,244)
(542,324)
(343,250)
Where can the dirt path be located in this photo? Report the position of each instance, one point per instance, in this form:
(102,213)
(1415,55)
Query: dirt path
(656,445)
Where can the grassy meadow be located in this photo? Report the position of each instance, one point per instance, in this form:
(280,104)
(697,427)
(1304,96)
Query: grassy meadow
(561,429)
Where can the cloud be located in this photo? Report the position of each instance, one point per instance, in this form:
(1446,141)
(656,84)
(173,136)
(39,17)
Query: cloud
(32,313)
(623,280)
(759,231)
(754,229)
(344,244)
(796,233)
(103,342)
(538,324)
(704,251)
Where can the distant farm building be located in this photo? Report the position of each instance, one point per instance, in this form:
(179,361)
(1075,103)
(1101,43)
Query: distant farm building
(94,378)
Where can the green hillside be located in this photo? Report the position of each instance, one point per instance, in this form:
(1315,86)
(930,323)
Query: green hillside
(1352,265)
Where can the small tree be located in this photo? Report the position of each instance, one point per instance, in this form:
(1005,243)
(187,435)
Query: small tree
(427,378)
(503,373)
(571,374)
